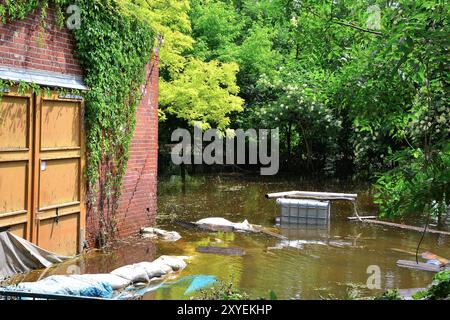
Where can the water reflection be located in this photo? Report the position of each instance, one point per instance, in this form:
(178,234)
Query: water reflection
(316,260)
(320,261)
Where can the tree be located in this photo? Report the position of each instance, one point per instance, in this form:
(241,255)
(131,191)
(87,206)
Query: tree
(190,89)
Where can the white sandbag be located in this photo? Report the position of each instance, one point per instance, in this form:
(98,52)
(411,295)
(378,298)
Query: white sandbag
(102,285)
(115,281)
(133,273)
(242,226)
(216,221)
(175,262)
(159,233)
(155,270)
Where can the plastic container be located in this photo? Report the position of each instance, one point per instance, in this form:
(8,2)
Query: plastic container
(300,211)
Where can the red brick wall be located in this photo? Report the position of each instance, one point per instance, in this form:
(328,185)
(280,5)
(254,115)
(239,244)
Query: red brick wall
(21,47)
(23,44)
(137,206)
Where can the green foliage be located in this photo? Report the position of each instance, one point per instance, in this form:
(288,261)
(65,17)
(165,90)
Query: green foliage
(351,93)
(391,294)
(410,109)
(216,28)
(203,93)
(416,184)
(222,291)
(272,295)
(114,49)
(192,89)
(354,86)
(439,288)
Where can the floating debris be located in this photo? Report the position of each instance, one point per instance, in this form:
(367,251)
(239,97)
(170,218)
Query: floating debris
(431,256)
(229,251)
(220,224)
(156,233)
(421,266)
(300,244)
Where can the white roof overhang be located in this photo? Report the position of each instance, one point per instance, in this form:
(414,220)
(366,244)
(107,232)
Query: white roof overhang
(43,78)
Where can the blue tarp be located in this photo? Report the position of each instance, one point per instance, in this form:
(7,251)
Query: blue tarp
(199,282)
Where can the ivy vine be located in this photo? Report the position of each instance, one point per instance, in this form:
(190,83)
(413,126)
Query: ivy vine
(113,47)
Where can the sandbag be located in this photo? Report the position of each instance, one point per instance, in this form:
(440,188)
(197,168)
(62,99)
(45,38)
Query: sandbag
(115,281)
(216,221)
(244,226)
(159,233)
(133,273)
(102,285)
(155,270)
(241,226)
(176,263)
(74,285)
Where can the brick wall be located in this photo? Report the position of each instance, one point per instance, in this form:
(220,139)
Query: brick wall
(137,206)
(24,44)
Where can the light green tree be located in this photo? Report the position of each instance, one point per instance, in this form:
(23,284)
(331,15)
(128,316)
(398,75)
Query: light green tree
(190,89)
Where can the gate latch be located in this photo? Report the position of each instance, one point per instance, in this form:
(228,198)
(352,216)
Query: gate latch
(57,216)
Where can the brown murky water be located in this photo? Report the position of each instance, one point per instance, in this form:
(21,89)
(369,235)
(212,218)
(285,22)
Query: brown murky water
(327,262)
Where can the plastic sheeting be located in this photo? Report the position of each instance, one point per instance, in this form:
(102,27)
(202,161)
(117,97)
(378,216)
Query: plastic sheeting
(74,285)
(200,282)
(18,255)
(102,285)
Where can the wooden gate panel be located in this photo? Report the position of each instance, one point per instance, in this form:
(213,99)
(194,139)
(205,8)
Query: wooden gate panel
(19,230)
(59,166)
(14,123)
(61,122)
(41,170)
(16,129)
(59,183)
(61,236)
(13,187)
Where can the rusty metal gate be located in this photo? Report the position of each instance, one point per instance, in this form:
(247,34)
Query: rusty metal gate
(41,169)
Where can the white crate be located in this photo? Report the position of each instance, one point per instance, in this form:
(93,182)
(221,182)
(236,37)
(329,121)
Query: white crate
(300,211)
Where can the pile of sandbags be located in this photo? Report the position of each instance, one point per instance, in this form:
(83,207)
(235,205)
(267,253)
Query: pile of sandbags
(145,271)
(103,285)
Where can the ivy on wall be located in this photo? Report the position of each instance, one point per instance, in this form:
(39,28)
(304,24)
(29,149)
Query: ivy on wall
(113,47)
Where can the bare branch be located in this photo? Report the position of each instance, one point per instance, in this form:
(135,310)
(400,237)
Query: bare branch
(345,24)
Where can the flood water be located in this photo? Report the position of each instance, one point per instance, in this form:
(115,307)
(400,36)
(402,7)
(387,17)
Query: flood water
(324,262)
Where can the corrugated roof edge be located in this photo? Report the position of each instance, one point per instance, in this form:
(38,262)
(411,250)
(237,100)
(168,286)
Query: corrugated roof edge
(43,78)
